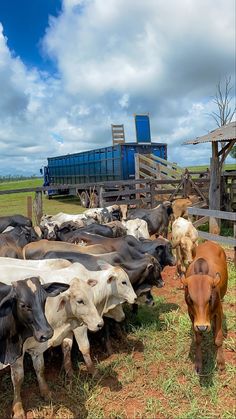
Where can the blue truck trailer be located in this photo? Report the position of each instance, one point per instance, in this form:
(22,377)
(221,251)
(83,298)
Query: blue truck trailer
(87,169)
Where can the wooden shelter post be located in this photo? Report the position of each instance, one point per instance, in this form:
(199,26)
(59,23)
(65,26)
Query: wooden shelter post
(214,190)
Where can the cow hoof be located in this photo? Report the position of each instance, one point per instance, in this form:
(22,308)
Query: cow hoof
(91,370)
(198,368)
(221,368)
(68,383)
(46,395)
(19,415)
(18,412)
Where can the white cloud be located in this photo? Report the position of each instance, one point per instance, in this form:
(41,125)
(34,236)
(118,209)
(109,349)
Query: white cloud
(115,59)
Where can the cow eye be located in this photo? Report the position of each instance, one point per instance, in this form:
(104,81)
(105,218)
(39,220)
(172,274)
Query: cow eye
(80,301)
(25,307)
(124,283)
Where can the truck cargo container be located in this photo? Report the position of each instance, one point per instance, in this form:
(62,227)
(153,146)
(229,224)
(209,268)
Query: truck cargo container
(112,163)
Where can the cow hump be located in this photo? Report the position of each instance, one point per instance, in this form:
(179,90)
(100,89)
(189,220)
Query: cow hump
(201,266)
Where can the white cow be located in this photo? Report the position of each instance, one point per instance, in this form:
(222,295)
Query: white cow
(43,264)
(103,215)
(137,228)
(184,240)
(108,297)
(112,288)
(49,224)
(64,313)
(62,217)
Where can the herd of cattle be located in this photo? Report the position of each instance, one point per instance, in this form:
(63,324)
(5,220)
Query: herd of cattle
(72,273)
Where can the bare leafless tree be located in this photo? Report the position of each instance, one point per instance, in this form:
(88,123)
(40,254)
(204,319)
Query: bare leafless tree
(225,112)
(223,99)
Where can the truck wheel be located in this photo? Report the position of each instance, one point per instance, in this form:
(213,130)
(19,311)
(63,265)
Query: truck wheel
(84,199)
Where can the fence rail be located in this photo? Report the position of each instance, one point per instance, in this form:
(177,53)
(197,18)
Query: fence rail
(223,215)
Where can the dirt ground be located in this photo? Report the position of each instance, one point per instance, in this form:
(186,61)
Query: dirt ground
(126,385)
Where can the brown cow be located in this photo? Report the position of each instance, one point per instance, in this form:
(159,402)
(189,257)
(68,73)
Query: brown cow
(184,240)
(205,286)
(180,206)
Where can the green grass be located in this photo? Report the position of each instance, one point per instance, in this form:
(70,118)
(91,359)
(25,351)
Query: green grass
(17,203)
(228,166)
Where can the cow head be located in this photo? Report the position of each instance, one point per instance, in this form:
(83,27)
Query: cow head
(123,212)
(153,272)
(78,301)
(22,315)
(137,228)
(163,254)
(121,285)
(202,297)
(144,295)
(187,249)
(50,230)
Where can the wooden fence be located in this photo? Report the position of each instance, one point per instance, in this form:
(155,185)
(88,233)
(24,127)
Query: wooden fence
(223,215)
(133,191)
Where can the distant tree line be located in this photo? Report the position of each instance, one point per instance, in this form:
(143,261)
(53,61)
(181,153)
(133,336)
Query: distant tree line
(11,178)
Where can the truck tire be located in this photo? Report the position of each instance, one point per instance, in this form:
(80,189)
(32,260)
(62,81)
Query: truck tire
(84,199)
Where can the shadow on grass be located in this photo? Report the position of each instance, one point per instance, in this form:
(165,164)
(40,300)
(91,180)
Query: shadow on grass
(147,315)
(68,397)
(209,353)
(64,199)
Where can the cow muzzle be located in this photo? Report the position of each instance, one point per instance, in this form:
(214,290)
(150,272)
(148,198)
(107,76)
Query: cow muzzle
(202,328)
(97,327)
(43,336)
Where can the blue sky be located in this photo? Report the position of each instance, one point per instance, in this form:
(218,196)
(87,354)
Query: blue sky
(24,23)
(71,68)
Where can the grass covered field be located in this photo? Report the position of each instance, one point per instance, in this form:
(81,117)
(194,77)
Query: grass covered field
(228,166)
(17,203)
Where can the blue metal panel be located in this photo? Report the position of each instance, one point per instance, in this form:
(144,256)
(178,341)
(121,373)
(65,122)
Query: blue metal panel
(109,163)
(142,126)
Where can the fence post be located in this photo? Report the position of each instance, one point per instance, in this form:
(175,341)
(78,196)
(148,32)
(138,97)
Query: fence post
(38,206)
(235,246)
(29,207)
(152,192)
(137,174)
(100,197)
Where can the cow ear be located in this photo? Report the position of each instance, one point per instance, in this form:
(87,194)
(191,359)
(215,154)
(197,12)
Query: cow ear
(7,302)
(55,288)
(63,301)
(216,280)
(110,279)
(150,267)
(56,228)
(92,282)
(38,231)
(103,265)
(184,280)
(159,249)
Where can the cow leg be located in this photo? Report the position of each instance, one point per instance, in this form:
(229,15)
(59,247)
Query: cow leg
(178,261)
(198,354)
(38,363)
(219,337)
(66,349)
(81,336)
(108,338)
(17,377)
